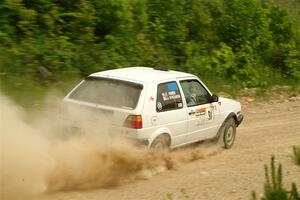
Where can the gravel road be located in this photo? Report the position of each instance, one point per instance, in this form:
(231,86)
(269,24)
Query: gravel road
(269,128)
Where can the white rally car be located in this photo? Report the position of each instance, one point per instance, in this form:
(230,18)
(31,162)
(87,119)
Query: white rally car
(159,108)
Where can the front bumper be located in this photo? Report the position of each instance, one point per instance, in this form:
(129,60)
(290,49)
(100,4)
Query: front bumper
(240,118)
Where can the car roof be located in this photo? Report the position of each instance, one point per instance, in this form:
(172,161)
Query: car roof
(142,74)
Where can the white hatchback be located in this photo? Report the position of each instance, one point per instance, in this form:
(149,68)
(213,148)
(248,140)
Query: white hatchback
(157,107)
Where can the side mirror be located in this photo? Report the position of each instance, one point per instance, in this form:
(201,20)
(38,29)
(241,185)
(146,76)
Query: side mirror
(214,98)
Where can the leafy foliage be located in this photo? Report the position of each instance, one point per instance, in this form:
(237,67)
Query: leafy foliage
(242,41)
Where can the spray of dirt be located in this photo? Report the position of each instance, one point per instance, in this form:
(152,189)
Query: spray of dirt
(36,159)
(84,164)
(24,155)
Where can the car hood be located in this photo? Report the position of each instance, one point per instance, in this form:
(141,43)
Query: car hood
(230,104)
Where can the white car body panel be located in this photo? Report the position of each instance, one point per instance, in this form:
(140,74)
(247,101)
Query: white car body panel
(182,127)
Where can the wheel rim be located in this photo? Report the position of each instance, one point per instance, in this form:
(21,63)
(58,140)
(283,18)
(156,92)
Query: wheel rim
(229,135)
(161,142)
(159,145)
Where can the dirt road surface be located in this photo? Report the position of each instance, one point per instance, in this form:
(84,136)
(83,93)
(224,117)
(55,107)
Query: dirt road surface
(270,128)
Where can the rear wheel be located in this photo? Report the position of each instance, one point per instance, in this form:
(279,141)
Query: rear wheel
(161,142)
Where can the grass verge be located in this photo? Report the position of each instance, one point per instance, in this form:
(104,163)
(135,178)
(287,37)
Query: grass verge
(296,154)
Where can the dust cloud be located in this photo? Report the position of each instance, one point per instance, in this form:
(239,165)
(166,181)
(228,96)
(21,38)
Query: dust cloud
(24,155)
(44,156)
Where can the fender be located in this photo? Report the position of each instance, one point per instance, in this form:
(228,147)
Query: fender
(230,115)
(159,131)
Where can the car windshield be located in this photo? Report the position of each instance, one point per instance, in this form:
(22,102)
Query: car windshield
(108,92)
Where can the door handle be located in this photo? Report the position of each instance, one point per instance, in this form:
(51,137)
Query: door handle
(191,113)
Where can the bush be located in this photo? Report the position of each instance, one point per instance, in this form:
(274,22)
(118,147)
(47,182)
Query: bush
(242,42)
(273,188)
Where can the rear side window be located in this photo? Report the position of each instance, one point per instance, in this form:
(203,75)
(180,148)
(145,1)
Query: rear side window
(168,97)
(108,92)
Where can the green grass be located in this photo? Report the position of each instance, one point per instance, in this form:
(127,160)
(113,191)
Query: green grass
(273,188)
(31,94)
(296,154)
(267,80)
(182,195)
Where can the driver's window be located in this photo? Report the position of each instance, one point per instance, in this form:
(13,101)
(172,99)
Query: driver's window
(195,94)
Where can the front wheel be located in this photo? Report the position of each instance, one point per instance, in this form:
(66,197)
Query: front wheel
(229,133)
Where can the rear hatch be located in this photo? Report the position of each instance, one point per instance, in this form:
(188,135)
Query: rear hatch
(103,102)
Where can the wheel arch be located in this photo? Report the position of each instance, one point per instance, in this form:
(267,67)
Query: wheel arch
(230,115)
(159,132)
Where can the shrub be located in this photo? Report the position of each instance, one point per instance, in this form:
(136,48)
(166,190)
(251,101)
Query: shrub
(273,188)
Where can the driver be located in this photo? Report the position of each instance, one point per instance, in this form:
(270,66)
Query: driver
(192,97)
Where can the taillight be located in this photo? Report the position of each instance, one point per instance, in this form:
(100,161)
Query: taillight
(134,121)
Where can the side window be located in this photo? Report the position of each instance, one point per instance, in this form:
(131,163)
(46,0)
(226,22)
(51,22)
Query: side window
(195,94)
(168,97)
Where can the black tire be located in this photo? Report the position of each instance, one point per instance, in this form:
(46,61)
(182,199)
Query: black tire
(162,142)
(229,133)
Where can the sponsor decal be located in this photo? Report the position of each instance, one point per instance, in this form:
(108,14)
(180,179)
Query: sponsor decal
(159,106)
(151,99)
(201,112)
(170,95)
(165,96)
(204,113)
(200,122)
(172,86)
